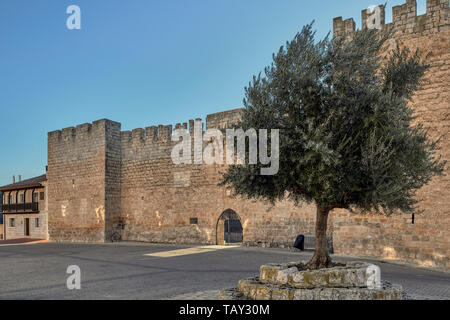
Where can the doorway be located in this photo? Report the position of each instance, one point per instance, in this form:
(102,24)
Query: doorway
(229,228)
(27,227)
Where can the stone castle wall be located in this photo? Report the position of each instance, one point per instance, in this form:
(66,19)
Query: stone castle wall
(159,198)
(100,178)
(426,242)
(77,176)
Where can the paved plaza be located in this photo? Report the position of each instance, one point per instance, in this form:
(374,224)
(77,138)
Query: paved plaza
(162,271)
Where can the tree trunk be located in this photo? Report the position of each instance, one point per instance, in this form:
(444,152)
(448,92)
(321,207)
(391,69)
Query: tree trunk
(321,259)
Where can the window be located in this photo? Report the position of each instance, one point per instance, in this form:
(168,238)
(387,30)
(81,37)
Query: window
(41,196)
(35,197)
(12,222)
(36,222)
(193,220)
(22,198)
(9,199)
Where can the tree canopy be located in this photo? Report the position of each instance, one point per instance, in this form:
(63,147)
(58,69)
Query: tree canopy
(347,137)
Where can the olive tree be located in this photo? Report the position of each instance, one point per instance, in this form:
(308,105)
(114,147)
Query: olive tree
(348,138)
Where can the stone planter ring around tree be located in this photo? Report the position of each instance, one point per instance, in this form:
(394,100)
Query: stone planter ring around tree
(290,281)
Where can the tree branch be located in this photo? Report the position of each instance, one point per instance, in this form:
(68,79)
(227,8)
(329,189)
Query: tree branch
(299,190)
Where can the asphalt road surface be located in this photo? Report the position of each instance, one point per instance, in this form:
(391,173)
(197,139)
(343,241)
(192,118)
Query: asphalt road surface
(161,271)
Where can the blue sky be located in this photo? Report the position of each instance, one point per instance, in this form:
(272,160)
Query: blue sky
(139,62)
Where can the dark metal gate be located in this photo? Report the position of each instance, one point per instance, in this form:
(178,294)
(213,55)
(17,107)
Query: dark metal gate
(229,225)
(233,231)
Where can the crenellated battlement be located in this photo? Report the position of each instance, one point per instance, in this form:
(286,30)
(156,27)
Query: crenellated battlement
(152,134)
(342,28)
(162,134)
(148,135)
(365,15)
(404,19)
(81,132)
(224,119)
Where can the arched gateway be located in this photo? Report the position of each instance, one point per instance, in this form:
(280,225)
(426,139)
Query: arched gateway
(229,228)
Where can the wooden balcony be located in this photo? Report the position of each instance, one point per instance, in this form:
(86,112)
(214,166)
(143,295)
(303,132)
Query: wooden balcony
(31,207)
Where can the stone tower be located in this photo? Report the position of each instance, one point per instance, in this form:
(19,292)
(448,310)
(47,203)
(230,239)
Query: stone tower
(84,181)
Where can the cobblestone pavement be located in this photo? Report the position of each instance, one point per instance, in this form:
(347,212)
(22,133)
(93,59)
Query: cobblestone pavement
(212,295)
(199,295)
(428,293)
